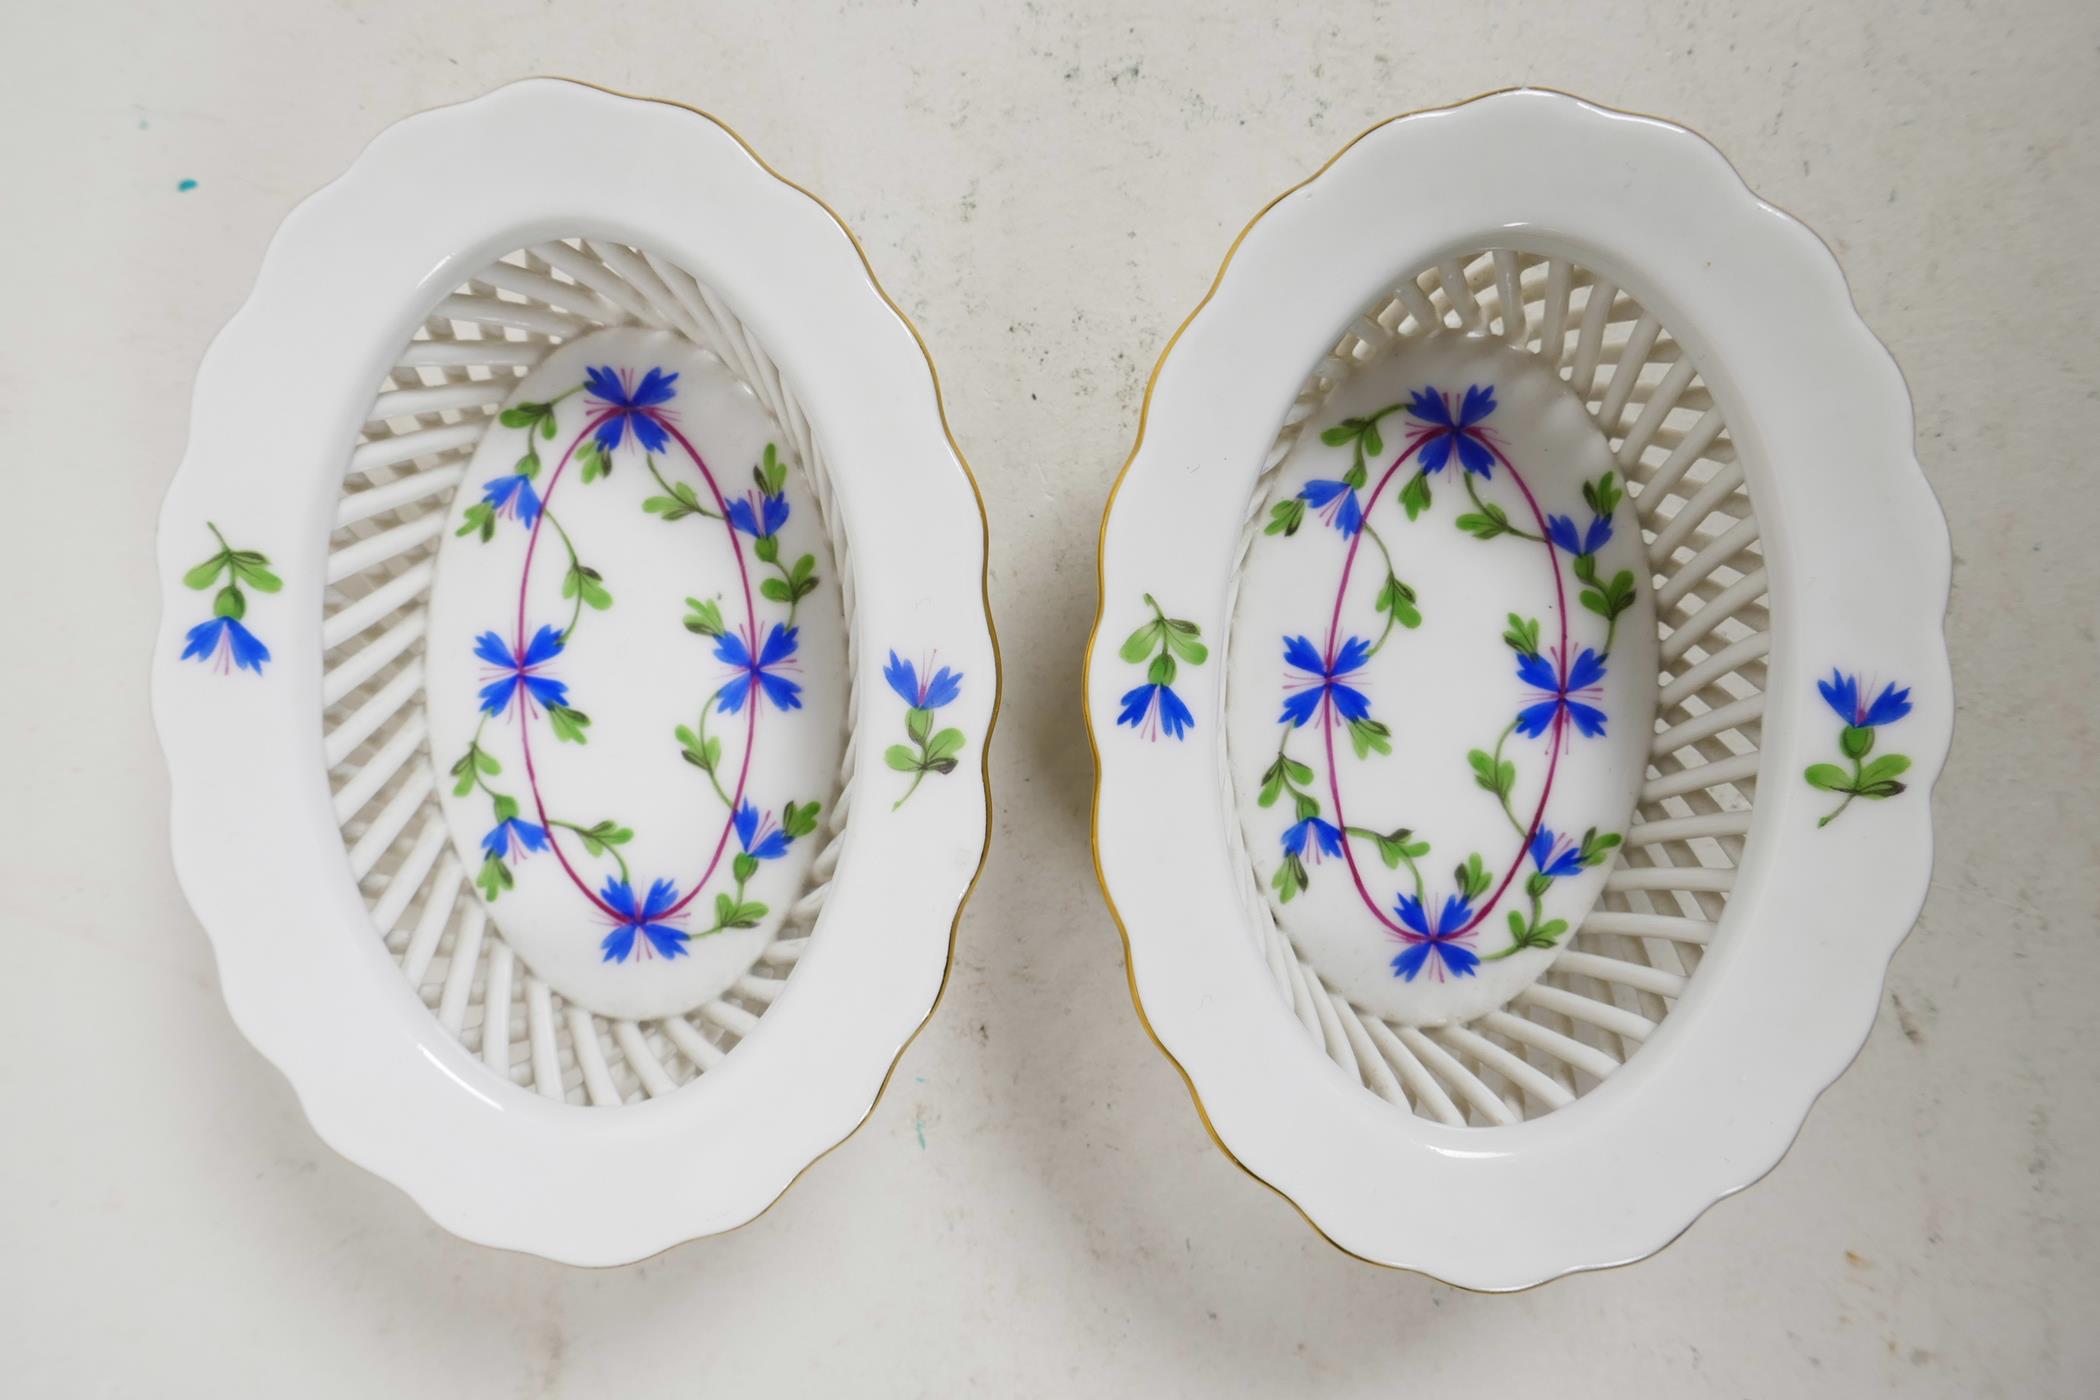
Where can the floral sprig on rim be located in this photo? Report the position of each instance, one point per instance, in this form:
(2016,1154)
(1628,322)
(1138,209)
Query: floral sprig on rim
(1155,706)
(223,641)
(1874,780)
(923,690)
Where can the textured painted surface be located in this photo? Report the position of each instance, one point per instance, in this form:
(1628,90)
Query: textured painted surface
(1046,190)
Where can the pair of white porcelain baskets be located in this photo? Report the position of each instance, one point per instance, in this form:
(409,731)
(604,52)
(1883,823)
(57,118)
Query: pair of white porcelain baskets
(1518,678)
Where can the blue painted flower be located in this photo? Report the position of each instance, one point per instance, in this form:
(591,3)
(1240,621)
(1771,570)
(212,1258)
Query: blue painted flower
(639,405)
(1425,939)
(758,836)
(759,515)
(513,837)
(1556,859)
(1456,430)
(1324,681)
(1312,838)
(223,642)
(1843,693)
(645,919)
(1563,533)
(759,666)
(1557,694)
(518,672)
(1154,707)
(513,496)
(1336,501)
(938,689)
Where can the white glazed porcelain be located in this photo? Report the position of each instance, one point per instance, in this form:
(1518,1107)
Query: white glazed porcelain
(1517,295)
(751,660)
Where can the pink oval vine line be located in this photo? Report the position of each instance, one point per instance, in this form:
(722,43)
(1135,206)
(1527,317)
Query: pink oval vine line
(751,621)
(1555,734)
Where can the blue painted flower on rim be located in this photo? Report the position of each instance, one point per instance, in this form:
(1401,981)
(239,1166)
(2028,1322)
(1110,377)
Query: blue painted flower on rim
(1322,681)
(1844,694)
(1433,942)
(938,688)
(625,403)
(1558,694)
(224,643)
(641,927)
(1458,430)
(759,666)
(518,672)
(1152,707)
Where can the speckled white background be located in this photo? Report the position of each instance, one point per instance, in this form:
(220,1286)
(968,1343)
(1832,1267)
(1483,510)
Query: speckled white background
(1034,1208)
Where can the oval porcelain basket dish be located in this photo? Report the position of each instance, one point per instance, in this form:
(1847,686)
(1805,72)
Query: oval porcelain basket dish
(576,672)
(1518,682)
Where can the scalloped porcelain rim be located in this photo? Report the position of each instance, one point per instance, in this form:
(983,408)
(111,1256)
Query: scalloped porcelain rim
(1822,421)
(381,1082)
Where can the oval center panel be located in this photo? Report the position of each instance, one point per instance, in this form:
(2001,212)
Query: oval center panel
(1441,688)
(636,674)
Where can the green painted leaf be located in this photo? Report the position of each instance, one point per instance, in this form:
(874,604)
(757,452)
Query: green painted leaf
(945,744)
(1414,497)
(743,867)
(1161,671)
(229,603)
(506,807)
(1141,642)
(1285,517)
(1882,769)
(776,590)
(1181,640)
(207,573)
(901,758)
(1857,742)
(918,723)
(1829,777)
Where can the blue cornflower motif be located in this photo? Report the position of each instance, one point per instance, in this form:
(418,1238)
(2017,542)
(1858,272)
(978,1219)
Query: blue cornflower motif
(1561,529)
(1455,430)
(1558,692)
(513,837)
(759,515)
(1336,501)
(645,919)
(1424,938)
(1843,693)
(519,672)
(1314,838)
(758,666)
(1325,683)
(513,496)
(757,835)
(1555,858)
(222,641)
(639,405)
(1158,706)
(938,689)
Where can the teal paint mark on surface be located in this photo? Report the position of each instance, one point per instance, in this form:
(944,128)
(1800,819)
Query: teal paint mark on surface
(185,186)
(919,1126)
